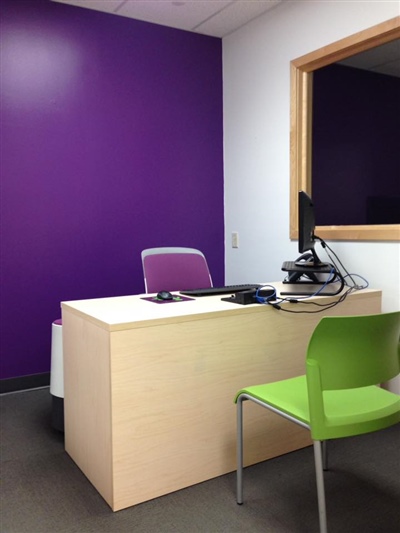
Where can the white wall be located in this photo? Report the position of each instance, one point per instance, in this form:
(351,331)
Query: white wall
(256,70)
(256,74)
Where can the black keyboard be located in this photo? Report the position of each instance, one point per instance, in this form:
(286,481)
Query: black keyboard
(293,266)
(227,289)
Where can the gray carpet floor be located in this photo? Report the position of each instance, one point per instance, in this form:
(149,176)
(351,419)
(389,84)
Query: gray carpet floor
(43,491)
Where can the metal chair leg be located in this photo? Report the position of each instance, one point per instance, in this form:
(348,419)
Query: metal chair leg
(325,454)
(239,452)
(320,486)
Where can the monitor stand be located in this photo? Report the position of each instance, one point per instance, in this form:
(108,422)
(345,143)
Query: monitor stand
(305,288)
(300,287)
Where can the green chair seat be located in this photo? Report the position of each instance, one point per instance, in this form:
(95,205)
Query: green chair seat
(356,411)
(289,396)
(371,408)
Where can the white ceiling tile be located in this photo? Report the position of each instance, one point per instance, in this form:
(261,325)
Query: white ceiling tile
(219,18)
(177,14)
(235,16)
(383,59)
(210,17)
(390,69)
(375,56)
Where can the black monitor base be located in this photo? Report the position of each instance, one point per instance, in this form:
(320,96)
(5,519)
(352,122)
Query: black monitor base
(309,289)
(312,285)
(312,265)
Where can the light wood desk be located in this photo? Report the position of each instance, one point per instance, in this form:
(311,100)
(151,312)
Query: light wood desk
(149,387)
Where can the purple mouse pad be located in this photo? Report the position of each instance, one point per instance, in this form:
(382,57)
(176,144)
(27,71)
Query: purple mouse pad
(175,298)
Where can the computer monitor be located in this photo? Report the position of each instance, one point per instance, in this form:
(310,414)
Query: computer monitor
(308,265)
(307,228)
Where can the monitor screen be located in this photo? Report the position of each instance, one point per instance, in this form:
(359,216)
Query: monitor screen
(307,226)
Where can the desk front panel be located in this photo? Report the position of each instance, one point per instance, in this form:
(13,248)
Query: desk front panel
(171,387)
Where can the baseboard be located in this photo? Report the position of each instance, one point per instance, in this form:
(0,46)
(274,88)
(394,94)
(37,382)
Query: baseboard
(33,381)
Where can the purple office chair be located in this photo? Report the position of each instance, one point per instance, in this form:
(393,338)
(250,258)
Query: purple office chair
(174,269)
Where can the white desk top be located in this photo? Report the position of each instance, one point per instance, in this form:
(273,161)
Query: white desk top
(123,312)
(127,312)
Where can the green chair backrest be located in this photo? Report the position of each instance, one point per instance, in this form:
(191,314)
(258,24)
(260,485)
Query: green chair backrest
(346,358)
(355,351)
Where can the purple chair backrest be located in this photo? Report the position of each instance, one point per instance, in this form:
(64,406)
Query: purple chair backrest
(175,272)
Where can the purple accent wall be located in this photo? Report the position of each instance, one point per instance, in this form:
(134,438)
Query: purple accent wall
(356,139)
(111,133)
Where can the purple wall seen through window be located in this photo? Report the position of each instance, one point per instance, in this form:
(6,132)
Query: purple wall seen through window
(355,147)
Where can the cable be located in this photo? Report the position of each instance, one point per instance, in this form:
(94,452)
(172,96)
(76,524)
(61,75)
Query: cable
(333,275)
(348,275)
(262,299)
(324,307)
(271,300)
(357,287)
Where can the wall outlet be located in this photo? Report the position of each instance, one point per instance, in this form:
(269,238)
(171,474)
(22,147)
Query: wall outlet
(235,239)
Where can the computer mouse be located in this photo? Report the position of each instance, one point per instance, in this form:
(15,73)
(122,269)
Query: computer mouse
(164,295)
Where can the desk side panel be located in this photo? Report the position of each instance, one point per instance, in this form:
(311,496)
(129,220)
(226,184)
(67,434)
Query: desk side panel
(87,402)
(174,420)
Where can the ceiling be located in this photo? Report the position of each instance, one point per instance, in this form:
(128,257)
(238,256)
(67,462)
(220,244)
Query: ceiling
(384,59)
(217,18)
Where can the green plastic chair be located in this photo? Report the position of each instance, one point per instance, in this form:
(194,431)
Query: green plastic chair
(347,358)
